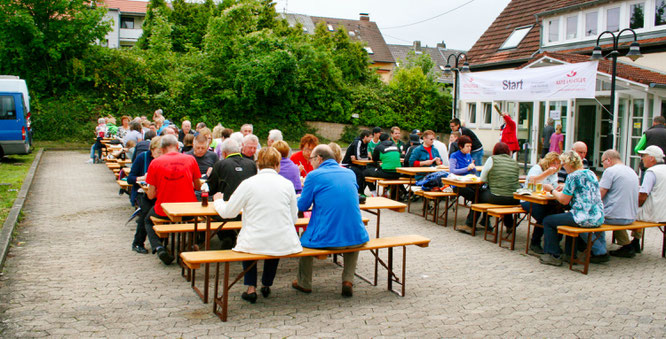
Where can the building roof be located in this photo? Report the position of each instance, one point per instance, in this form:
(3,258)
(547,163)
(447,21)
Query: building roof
(401,51)
(127,6)
(626,71)
(486,51)
(360,30)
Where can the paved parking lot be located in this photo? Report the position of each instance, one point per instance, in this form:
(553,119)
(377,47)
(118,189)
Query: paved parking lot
(72,274)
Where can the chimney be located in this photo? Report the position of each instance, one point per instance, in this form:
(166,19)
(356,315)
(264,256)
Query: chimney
(416,45)
(441,45)
(364,16)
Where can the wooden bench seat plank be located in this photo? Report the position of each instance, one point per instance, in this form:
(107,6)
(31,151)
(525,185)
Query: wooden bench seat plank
(195,259)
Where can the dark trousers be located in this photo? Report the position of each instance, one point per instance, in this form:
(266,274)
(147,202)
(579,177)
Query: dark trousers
(360,178)
(379,173)
(145,205)
(155,241)
(267,276)
(486,197)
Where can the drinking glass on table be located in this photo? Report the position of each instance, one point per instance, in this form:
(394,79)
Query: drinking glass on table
(539,187)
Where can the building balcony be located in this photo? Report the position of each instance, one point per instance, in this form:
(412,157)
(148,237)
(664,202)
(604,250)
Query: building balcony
(127,34)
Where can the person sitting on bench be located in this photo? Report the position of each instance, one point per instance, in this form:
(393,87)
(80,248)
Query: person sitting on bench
(268,202)
(336,222)
(581,189)
(619,192)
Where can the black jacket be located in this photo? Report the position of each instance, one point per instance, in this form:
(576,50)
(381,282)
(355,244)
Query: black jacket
(358,149)
(228,173)
(141,147)
(656,135)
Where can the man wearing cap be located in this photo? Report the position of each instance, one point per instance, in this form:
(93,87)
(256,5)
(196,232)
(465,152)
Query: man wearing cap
(414,142)
(376,132)
(357,150)
(651,199)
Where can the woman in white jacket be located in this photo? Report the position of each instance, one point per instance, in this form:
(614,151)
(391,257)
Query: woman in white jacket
(268,202)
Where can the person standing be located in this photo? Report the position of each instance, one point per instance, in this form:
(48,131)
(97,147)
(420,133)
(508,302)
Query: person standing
(556,143)
(655,135)
(477,147)
(336,221)
(508,132)
(547,132)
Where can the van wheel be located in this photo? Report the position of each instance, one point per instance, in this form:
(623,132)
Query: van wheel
(2,152)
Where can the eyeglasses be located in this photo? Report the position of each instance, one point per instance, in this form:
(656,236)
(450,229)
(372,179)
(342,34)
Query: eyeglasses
(313,157)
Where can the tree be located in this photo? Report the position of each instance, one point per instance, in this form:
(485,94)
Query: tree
(41,39)
(156,8)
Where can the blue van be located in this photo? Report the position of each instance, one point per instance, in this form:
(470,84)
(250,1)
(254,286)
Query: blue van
(15,132)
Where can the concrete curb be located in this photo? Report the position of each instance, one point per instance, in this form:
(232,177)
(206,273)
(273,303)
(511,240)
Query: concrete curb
(12,218)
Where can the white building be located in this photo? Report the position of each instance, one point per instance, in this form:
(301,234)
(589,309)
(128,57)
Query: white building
(126,17)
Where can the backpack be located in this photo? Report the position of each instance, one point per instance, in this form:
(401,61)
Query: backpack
(432,181)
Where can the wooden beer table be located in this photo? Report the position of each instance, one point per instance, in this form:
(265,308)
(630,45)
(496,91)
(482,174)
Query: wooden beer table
(534,198)
(414,171)
(461,184)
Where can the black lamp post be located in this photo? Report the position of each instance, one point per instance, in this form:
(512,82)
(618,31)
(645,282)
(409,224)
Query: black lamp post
(633,54)
(448,70)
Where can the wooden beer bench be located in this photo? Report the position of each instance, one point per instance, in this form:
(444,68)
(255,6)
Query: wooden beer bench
(574,232)
(194,260)
(393,185)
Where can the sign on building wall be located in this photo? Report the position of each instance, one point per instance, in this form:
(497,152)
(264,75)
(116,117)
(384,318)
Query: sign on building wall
(560,82)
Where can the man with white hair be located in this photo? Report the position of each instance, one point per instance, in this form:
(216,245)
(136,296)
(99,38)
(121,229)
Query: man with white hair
(273,136)
(225,177)
(173,177)
(186,128)
(651,200)
(248,129)
(250,146)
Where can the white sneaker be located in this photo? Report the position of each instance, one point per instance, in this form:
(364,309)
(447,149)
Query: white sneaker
(90,161)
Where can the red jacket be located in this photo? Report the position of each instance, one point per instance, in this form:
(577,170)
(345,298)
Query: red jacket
(508,134)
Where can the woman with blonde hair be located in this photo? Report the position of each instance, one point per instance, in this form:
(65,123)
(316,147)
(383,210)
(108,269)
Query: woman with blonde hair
(268,202)
(581,192)
(545,172)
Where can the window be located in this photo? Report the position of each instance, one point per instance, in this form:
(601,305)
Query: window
(613,19)
(471,110)
(572,27)
(516,37)
(553,30)
(7,107)
(487,113)
(636,15)
(660,12)
(126,22)
(591,24)
(369,50)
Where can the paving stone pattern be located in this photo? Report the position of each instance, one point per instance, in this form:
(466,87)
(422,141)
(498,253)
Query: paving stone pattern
(72,274)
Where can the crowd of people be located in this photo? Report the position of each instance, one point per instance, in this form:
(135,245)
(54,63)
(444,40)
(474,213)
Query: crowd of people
(272,186)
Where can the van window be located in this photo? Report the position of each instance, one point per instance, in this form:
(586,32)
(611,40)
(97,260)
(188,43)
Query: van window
(7,107)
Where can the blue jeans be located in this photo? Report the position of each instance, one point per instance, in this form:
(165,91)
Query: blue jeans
(477,156)
(267,276)
(551,241)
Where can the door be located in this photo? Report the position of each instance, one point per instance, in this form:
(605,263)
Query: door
(586,130)
(524,122)
(11,116)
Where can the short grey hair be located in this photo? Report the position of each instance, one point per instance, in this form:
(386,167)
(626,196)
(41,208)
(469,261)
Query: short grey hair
(237,136)
(229,146)
(247,125)
(611,154)
(101,121)
(275,135)
(250,137)
(169,140)
(571,158)
(550,122)
(324,151)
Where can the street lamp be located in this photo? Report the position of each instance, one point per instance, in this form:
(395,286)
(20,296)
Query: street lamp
(448,70)
(633,54)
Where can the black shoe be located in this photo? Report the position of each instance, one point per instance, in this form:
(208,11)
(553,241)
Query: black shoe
(598,259)
(265,291)
(536,248)
(139,249)
(251,297)
(626,251)
(165,256)
(636,244)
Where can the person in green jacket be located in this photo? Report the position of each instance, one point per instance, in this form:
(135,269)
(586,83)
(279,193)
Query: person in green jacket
(386,158)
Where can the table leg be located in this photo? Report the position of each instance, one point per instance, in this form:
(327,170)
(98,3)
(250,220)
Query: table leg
(207,266)
(529,228)
(377,256)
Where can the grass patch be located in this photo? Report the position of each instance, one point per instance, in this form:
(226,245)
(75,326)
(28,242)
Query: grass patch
(13,169)
(61,145)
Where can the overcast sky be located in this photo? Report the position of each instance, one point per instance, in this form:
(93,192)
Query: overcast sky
(464,23)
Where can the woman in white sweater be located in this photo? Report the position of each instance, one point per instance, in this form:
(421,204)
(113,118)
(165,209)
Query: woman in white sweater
(268,202)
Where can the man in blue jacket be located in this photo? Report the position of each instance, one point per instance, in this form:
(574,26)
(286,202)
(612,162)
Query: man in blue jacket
(336,221)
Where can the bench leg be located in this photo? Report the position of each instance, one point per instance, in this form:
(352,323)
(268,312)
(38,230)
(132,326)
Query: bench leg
(591,238)
(663,242)
(391,275)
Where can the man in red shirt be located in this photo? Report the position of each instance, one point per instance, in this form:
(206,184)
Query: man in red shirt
(173,178)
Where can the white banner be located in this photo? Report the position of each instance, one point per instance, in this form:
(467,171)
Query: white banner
(560,82)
